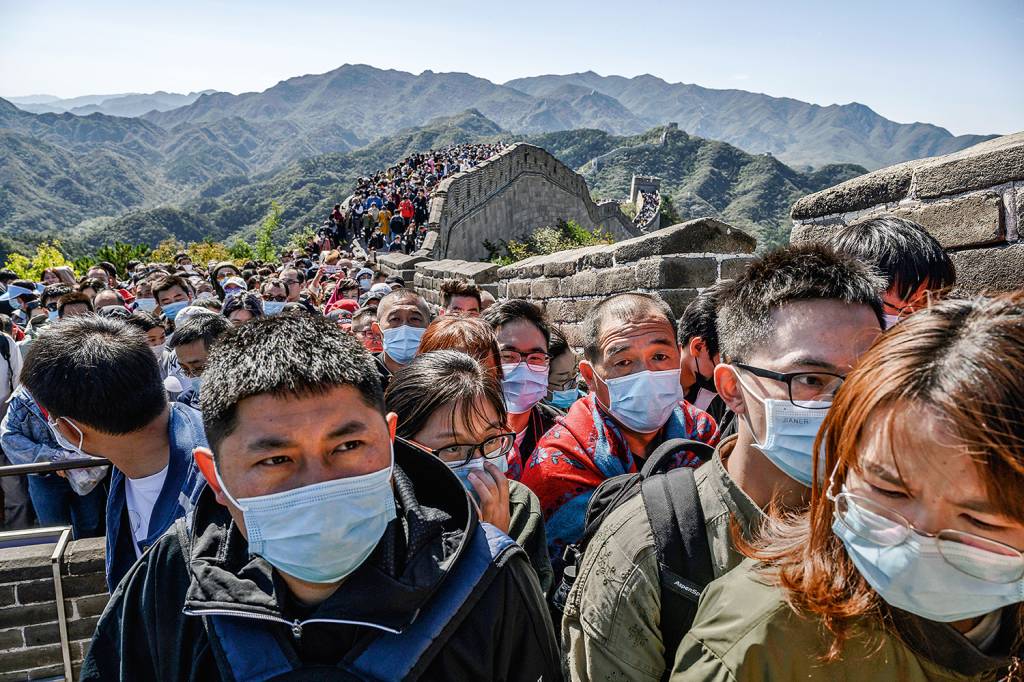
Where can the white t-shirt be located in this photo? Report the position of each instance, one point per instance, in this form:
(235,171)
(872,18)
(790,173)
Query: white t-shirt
(140,496)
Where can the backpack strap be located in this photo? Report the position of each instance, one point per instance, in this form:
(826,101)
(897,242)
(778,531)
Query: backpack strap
(662,458)
(393,657)
(684,559)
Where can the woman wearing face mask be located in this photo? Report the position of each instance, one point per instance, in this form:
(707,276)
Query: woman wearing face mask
(156,335)
(469,335)
(908,563)
(450,406)
(562,375)
(220,273)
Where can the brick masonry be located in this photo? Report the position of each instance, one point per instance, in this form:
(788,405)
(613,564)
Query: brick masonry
(29,635)
(675,262)
(510,195)
(972,202)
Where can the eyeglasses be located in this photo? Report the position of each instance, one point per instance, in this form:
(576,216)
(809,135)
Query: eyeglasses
(192,373)
(535,360)
(276,299)
(456,454)
(888,528)
(806,389)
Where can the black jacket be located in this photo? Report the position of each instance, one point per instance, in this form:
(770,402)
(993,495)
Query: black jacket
(505,632)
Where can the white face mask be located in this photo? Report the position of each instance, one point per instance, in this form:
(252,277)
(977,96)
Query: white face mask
(643,401)
(158,350)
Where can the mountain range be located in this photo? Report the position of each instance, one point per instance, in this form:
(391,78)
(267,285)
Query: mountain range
(126,104)
(70,175)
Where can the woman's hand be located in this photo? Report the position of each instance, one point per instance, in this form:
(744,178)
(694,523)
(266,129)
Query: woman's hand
(491,487)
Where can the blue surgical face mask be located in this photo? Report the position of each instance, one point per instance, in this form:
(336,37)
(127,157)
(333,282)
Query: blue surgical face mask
(145,304)
(523,387)
(323,532)
(16,304)
(914,577)
(364,283)
(564,399)
(52,315)
(171,310)
(789,433)
(196,383)
(273,307)
(476,465)
(643,401)
(401,343)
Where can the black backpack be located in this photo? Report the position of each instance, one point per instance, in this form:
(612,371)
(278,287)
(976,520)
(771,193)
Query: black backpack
(680,538)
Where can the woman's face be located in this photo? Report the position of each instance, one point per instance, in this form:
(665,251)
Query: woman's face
(937,486)
(156,336)
(50,278)
(438,433)
(240,317)
(562,371)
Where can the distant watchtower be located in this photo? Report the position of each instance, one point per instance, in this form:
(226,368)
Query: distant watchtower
(643,183)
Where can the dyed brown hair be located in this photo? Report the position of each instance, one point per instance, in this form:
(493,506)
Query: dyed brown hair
(962,360)
(471,335)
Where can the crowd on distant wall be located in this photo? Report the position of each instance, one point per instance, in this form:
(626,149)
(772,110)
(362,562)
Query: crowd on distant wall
(649,203)
(389,210)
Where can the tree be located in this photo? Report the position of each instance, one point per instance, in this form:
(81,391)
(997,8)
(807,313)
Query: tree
(120,254)
(300,239)
(567,234)
(47,255)
(265,234)
(166,250)
(240,251)
(207,251)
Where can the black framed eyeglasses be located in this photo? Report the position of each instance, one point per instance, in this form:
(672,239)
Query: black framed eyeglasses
(536,360)
(806,389)
(457,454)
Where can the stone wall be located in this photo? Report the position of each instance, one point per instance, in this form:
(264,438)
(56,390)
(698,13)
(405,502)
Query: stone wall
(971,201)
(675,262)
(510,195)
(29,637)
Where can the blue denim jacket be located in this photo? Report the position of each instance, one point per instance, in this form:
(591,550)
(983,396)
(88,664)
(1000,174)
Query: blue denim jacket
(181,489)
(24,435)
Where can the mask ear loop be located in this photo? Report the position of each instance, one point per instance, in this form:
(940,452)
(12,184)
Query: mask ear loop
(746,414)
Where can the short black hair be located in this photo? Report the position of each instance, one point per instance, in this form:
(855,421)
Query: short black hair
(900,250)
(558,343)
(623,308)
(144,320)
(282,355)
(450,288)
(56,291)
(700,319)
(97,371)
(439,379)
(793,273)
(205,328)
(516,309)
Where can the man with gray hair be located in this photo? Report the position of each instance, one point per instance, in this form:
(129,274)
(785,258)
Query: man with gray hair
(789,330)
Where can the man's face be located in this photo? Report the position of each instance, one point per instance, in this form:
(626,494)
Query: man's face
(156,336)
(403,312)
(284,443)
(371,338)
(74,310)
(522,337)
(810,336)
(173,295)
(695,360)
(463,306)
(645,343)
(192,357)
(275,293)
(98,273)
(350,293)
(291,281)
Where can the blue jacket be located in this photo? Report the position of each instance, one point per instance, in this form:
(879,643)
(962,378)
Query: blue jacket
(181,489)
(24,435)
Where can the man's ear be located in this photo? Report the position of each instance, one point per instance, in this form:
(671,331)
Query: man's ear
(728,387)
(392,419)
(204,460)
(695,346)
(587,372)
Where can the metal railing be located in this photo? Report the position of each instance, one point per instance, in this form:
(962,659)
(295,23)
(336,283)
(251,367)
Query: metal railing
(50,467)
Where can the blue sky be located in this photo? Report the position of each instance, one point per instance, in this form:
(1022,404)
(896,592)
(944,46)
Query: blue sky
(954,63)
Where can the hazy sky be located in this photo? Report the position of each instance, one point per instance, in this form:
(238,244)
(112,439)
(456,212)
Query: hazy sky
(959,64)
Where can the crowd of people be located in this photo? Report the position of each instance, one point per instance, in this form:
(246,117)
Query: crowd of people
(649,203)
(815,473)
(389,210)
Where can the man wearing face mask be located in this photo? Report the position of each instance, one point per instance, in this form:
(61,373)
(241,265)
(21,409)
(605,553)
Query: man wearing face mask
(191,345)
(790,329)
(635,403)
(402,317)
(698,357)
(523,335)
(173,294)
(127,419)
(313,553)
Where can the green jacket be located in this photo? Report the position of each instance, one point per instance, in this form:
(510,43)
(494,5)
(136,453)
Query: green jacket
(745,630)
(611,628)
(526,527)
